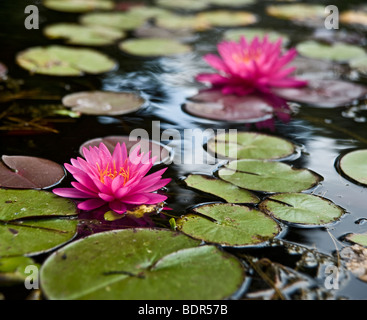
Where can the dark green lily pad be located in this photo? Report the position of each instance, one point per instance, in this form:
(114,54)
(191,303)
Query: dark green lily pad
(300,13)
(154,47)
(23,232)
(268,176)
(155,264)
(78,5)
(228,225)
(23,172)
(358,238)
(220,188)
(354,166)
(13,269)
(84,35)
(251,33)
(162,153)
(250,145)
(324,93)
(301,209)
(104,103)
(337,52)
(64,61)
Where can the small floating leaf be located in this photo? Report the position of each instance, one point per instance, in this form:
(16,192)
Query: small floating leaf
(251,33)
(103,102)
(154,47)
(302,209)
(360,239)
(13,269)
(154,264)
(84,35)
(220,188)
(354,17)
(354,166)
(78,5)
(324,93)
(228,225)
(359,64)
(158,150)
(250,145)
(23,172)
(223,18)
(268,176)
(64,61)
(337,52)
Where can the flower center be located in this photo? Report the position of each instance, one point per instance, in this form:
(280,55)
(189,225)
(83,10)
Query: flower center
(246,56)
(113,172)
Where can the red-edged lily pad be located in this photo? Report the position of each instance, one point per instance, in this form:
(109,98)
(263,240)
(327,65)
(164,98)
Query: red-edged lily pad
(23,172)
(158,150)
(325,93)
(213,105)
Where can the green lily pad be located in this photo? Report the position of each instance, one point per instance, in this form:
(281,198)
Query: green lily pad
(231,3)
(154,47)
(223,18)
(250,145)
(354,166)
(23,232)
(251,33)
(359,64)
(301,209)
(220,188)
(64,61)
(268,176)
(13,269)
(84,35)
(300,13)
(78,5)
(358,238)
(183,4)
(337,52)
(104,103)
(228,225)
(154,264)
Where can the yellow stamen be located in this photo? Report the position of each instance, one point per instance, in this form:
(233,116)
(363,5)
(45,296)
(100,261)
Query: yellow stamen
(113,172)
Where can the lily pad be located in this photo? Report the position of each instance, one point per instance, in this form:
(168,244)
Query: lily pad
(301,209)
(268,176)
(104,103)
(354,166)
(250,145)
(23,172)
(324,93)
(154,47)
(220,188)
(358,238)
(359,64)
(158,150)
(251,33)
(183,4)
(78,5)
(213,105)
(300,13)
(23,232)
(337,52)
(228,225)
(154,264)
(354,17)
(13,269)
(84,35)
(223,18)
(64,61)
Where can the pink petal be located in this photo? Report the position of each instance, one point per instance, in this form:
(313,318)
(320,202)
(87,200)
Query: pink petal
(136,199)
(118,207)
(71,193)
(91,204)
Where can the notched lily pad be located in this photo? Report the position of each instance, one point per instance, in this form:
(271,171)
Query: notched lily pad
(228,225)
(250,145)
(78,5)
(104,103)
(354,166)
(158,150)
(358,238)
(305,210)
(23,172)
(268,176)
(33,222)
(155,264)
(154,47)
(84,35)
(220,188)
(325,93)
(64,61)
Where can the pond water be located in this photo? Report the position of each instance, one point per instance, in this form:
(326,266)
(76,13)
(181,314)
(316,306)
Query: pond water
(322,133)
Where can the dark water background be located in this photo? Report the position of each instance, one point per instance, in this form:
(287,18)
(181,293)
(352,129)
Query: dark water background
(323,133)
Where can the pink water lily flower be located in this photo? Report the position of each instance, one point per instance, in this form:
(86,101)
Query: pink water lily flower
(250,67)
(118,180)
